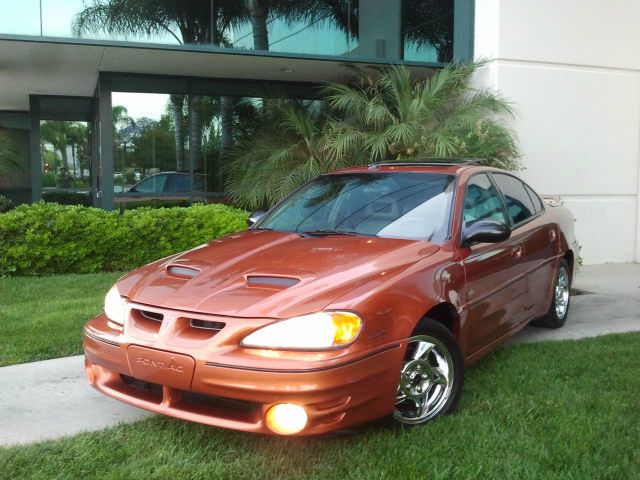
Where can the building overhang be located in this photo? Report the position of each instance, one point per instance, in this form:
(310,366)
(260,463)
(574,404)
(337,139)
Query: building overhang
(72,67)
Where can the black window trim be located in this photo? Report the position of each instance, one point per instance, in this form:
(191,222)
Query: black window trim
(500,198)
(515,226)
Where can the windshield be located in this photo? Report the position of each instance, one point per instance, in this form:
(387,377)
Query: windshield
(414,206)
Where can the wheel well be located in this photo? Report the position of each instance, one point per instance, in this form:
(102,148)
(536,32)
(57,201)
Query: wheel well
(568,256)
(446,315)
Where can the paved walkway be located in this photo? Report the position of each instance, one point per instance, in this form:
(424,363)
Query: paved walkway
(51,399)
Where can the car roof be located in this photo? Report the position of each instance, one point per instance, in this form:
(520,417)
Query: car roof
(442,166)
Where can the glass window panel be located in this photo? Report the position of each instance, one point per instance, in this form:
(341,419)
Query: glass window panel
(482,201)
(537,202)
(518,202)
(66,161)
(303,27)
(427,30)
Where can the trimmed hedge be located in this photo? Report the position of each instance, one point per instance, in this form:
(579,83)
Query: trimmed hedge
(46,238)
(67,198)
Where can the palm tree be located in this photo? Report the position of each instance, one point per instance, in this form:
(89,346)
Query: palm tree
(187,21)
(78,138)
(57,134)
(396,117)
(390,117)
(177,106)
(285,153)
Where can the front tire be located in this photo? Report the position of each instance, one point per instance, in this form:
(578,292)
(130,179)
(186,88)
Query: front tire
(431,377)
(559,309)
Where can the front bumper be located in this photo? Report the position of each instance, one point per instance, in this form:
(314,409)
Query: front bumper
(215,384)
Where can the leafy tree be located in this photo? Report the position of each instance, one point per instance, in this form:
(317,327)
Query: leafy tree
(153,146)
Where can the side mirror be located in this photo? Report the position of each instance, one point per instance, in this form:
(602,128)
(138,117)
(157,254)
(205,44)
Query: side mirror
(255,217)
(132,189)
(484,231)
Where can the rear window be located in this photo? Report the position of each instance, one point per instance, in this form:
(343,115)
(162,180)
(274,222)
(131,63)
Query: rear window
(537,202)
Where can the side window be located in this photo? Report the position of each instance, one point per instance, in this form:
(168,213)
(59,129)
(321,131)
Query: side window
(537,203)
(519,204)
(482,201)
(180,183)
(152,184)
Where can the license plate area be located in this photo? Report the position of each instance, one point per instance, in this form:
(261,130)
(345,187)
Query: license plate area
(164,368)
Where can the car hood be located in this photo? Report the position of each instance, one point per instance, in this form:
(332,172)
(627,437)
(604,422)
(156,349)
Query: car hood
(269,274)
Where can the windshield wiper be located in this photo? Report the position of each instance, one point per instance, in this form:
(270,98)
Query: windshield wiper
(322,233)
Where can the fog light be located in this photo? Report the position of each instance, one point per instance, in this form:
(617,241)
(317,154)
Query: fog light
(286,418)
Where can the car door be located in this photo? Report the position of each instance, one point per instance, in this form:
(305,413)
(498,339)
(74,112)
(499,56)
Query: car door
(495,289)
(539,241)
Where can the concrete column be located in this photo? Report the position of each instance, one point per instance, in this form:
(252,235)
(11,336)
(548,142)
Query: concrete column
(105,126)
(380,29)
(463,13)
(578,100)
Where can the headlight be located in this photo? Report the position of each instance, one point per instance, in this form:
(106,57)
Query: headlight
(307,332)
(114,306)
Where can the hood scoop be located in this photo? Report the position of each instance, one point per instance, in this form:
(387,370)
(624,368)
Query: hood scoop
(271,281)
(181,271)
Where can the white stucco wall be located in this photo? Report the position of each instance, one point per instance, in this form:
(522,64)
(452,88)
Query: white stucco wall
(573,69)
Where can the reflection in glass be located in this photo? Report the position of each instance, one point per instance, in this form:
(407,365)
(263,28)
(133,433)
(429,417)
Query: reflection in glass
(65,156)
(412,206)
(321,27)
(427,30)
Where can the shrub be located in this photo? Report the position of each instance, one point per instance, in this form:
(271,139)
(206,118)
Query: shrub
(67,198)
(152,204)
(49,179)
(5,204)
(46,238)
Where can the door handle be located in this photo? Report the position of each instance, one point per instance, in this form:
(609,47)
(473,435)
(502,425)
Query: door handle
(516,252)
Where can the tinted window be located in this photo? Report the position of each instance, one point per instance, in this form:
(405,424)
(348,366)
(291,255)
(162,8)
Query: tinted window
(152,184)
(537,203)
(180,183)
(397,205)
(482,201)
(519,204)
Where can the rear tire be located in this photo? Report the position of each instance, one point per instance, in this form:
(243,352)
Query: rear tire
(431,377)
(559,309)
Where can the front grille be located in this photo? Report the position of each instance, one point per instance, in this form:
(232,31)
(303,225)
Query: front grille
(158,317)
(141,386)
(206,324)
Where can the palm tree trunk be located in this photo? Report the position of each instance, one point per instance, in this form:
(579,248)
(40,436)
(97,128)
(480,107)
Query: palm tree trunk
(195,132)
(226,124)
(177,102)
(65,157)
(259,10)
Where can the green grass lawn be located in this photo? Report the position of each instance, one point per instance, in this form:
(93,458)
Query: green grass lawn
(42,317)
(567,410)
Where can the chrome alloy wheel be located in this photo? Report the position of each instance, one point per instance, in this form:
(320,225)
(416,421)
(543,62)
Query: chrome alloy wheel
(426,380)
(561,293)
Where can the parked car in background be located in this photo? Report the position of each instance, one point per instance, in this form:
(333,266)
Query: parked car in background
(363,294)
(167,186)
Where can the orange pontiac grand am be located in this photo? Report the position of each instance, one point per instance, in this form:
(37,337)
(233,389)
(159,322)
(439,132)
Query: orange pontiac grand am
(364,294)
